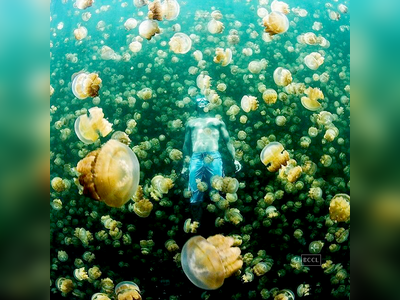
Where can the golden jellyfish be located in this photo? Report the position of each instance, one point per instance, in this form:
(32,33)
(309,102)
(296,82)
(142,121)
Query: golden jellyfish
(159,186)
(270,96)
(100,296)
(203,81)
(249,103)
(216,14)
(80,33)
(155,10)
(314,60)
(148,28)
(339,208)
(85,85)
(280,6)
(273,156)
(83,4)
(223,57)
(207,262)
(256,66)
(140,3)
(145,94)
(215,26)
(275,23)
(282,76)
(127,290)
(110,174)
(170,9)
(180,43)
(311,101)
(121,137)
(89,129)
(135,46)
(51,90)
(130,23)
(198,55)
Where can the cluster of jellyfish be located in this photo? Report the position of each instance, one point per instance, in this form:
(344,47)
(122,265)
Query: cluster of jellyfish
(116,140)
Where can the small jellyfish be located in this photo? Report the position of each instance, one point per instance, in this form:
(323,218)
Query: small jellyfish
(207,262)
(80,33)
(148,28)
(282,76)
(223,57)
(270,96)
(180,43)
(249,103)
(280,6)
(155,10)
(130,23)
(121,137)
(89,129)
(314,60)
(170,9)
(83,4)
(273,156)
(339,208)
(311,102)
(275,23)
(215,26)
(140,3)
(285,294)
(127,290)
(135,46)
(100,296)
(85,84)
(110,174)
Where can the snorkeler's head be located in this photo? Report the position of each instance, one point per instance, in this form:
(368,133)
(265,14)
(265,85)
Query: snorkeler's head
(201,101)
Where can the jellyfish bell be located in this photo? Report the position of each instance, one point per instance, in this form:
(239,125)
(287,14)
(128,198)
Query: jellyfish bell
(89,129)
(207,262)
(170,9)
(85,84)
(215,26)
(216,14)
(223,56)
(83,4)
(80,33)
(180,43)
(249,103)
(314,60)
(110,174)
(128,290)
(270,96)
(311,101)
(140,3)
(275,23)
(100,296)
(155,10)
(282,76)
(280,6)
(273,156)
(135,46)
(130,23)
(339,208)
(148,28)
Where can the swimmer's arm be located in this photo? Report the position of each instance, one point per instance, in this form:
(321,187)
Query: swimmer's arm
(187,146)
(227,140)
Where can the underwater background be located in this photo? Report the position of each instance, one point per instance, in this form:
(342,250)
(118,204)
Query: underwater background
(140,254)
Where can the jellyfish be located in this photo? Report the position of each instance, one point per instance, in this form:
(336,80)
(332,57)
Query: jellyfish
(314,60)
(311,101)
(85,84)
(207,262)
(285,294)
(121,137)
(145,93)
(83,4)
(80,33)
(249,103)
(135,46)
(198,55)
(282,76)
(110,174)
(215,26)
(180,43)
(148,28)
(270,96)
(273,156)
(339,208)
(140,3)
(216,14)
(159,186)
(170,9)
(280,6)
(223,57)
(155,10)
(127,290)
(100,296)
(89,129)
(275,23)
(130,23)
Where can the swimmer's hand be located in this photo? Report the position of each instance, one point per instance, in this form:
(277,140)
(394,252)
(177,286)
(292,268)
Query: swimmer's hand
(238,166)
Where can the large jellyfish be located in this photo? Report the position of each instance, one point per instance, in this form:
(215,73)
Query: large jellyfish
(207,262)
(110,174)
(276,23)
(273,156)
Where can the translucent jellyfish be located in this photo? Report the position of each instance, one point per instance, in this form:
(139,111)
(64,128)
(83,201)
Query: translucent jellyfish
(256,66)
(285,295)
(282,76)
(314,60)
(89,129)
(130,23)
(85,84)
(160,185)
(280,6)
(339,208)
(223,57)
(83,4)
(127,290)
(110,174)
(80,33)
(170,9)
(207,262)
(180,43)
(270,96)
(107,53)
(275,23)
(198,55)
(311,101)
(249,103)
(100,296)
(148,28)
(215,26)
(155,10)
(216,14)
(122,137)
(140,3)
(273,156)
(203,81)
